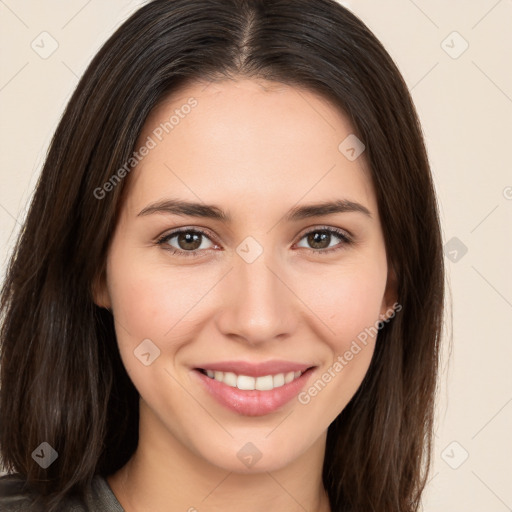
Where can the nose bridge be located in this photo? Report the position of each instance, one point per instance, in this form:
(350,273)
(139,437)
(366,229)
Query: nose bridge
(260,306)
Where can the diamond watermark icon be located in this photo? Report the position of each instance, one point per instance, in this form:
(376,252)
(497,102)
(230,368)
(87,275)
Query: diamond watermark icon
(454,455)
(249,454)
(249,250)
(147,352)
(45,45)
(351,147)
(455,249)
(454,45)
(45,455)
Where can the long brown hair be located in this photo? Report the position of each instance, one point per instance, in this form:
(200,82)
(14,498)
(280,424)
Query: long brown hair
(62,379)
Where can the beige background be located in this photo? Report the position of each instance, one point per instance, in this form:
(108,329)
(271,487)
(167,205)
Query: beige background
(465,103)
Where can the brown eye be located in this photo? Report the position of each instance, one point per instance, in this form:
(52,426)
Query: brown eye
(188,242)
(321,240)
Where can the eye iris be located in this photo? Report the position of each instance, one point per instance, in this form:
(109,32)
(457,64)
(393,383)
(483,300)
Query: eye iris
(190,241)
(319,237)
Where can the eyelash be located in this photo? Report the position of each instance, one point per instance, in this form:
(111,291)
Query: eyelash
(346,240)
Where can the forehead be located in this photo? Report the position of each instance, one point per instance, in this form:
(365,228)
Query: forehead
(269,141)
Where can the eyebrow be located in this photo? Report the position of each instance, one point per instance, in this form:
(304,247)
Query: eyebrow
(191,209)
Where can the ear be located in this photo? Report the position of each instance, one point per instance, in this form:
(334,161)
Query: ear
(99,291)
(390,295)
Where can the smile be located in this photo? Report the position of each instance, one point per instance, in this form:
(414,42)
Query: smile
(253,389)
(247,383)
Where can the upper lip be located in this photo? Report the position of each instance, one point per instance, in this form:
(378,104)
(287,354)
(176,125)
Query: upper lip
(256,369)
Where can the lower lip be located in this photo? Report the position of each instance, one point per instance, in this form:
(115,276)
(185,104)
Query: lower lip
(253,402)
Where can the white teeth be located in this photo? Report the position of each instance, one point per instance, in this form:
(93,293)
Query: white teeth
(230,379)
(279,380)
(247,383)
(265,383)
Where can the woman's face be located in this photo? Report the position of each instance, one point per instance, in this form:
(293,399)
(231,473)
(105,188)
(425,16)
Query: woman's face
(259,285)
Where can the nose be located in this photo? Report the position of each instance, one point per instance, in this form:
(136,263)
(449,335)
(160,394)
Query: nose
(259,305)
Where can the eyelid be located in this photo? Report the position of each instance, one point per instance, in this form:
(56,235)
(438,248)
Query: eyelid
(162,239)
(332,229)
(346,237)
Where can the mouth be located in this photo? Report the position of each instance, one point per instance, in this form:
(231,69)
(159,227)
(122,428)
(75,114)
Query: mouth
(249,383)
(254,390)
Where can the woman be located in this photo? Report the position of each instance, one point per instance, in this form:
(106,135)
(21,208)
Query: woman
(228,291)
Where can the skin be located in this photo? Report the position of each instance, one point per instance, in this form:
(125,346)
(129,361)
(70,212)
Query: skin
(255,149)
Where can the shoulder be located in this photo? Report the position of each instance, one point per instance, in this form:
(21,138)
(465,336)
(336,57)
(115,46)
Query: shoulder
(17,496)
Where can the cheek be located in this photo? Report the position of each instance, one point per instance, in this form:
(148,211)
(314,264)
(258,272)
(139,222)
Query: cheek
(156,302)
(348,300)
(350,307)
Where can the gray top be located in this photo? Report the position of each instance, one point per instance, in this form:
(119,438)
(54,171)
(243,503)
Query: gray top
(98,498)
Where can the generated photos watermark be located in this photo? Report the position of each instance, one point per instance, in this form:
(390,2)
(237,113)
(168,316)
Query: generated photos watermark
(343,360)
